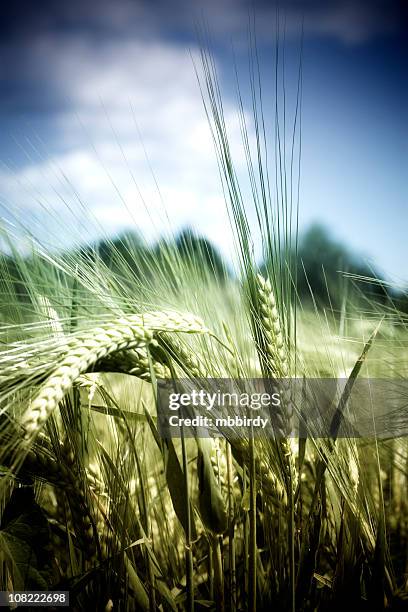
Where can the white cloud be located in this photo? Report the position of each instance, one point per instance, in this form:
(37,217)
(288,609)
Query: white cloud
(116,94)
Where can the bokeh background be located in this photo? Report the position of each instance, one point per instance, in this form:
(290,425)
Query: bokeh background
(103,127)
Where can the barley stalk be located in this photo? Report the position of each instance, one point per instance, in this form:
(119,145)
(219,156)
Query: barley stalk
(43,351)
(91,349)
(135,331)
(134,362)
(274,361)
(274,350)
(273,356)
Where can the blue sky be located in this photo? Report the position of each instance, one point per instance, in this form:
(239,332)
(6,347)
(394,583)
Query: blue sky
(96,95)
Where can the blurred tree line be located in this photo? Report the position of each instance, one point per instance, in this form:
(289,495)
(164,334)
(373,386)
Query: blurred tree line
(327,273)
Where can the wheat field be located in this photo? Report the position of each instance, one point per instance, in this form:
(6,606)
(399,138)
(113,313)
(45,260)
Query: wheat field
(96,502)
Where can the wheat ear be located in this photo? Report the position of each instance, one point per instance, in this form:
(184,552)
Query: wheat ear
(79,359)
(273,354)
(134,362)
(274,350)
(84,351)
(273,357)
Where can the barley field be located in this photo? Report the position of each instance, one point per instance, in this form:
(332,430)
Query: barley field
(96,502)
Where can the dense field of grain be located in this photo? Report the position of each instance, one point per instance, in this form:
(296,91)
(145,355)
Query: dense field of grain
(96,502)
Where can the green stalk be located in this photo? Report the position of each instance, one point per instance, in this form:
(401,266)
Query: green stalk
(189,551)
(231,535)
(252,529)
(246,537)
(146,526)
(218,574)
(210,571)
(291,534)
